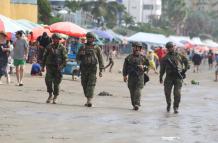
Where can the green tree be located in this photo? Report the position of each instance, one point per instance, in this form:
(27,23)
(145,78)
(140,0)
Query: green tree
(198,22)
(73,5)
(44,10)
(147,27)
(129,20)
(55,19)
(109,10)
(174,14)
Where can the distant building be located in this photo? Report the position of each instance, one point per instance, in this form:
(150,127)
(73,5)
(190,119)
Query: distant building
(143,10)
(20,9)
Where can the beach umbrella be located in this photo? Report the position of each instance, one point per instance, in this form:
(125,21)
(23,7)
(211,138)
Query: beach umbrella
(27,23)
(9,25)
(103,34)
(67,28)
(98,41)
(38,32)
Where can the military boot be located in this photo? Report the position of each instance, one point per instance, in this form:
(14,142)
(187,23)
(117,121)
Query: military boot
(55,99)
(176,110)
(168,107)
(136,107)
(49,98)
(89,103)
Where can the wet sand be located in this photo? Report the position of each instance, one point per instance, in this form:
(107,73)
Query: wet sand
(26,118)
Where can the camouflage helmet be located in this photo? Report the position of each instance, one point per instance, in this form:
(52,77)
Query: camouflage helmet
(169,45)
(56,36)
(137,44)
(90,35)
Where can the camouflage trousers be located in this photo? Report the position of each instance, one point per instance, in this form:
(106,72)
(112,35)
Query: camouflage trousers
(135,94)
(53,79)
(135,86)
(88,81)
(169,83)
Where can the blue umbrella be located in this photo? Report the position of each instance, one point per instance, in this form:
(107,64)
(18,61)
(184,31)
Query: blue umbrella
(102,34)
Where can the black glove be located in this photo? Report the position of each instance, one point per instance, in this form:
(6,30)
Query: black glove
(184,71)
(161,80)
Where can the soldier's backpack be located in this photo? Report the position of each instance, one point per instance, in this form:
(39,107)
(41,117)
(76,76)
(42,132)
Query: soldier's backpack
(90,57)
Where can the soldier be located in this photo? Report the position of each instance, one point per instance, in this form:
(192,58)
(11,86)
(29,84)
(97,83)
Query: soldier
(54,59)
(175,65)
(133,70)
(89,56)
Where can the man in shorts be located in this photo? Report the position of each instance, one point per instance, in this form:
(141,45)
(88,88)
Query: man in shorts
(20,56)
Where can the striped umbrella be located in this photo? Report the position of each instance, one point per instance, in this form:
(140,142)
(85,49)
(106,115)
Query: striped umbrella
(9,25)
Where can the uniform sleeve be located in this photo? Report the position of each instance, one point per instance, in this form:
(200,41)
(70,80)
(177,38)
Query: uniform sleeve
(125,65)
(100,59)
(78,55)
(146,64)
(45,56)
(64,58)
(185,62)
(162,67)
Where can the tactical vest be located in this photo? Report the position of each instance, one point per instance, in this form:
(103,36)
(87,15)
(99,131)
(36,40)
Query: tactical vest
(177,60)
(54,55)
(133,62)
(90,57)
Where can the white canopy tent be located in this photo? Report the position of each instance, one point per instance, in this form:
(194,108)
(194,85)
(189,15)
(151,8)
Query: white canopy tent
(176,41)
(210,43)
(148,38)
(197,41)
(180,38)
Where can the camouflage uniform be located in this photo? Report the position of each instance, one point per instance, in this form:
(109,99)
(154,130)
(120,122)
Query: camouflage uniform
(172,78)
(54,59)
(135,76)
(89,56)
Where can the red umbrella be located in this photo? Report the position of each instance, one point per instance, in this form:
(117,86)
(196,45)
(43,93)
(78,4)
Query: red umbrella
(38,32)
(67,28)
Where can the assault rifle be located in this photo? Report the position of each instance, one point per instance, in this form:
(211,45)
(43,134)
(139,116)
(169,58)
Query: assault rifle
(181,75)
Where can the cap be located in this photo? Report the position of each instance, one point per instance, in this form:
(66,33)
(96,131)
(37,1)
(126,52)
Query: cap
(56,36)
(137,44)
(169,45)
(90,35)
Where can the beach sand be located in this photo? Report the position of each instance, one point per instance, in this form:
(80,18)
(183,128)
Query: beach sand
(26,118)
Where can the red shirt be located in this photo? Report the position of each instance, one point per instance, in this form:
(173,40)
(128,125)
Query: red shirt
(160,53)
